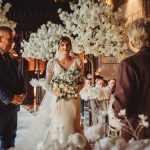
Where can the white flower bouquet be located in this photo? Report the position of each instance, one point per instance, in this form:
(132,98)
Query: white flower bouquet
(35,82)
(43,44)
(89,92)
(84,93)
(3,19)
(65,85)
(96,28)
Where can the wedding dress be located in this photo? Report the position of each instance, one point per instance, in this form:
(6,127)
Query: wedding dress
(54,120)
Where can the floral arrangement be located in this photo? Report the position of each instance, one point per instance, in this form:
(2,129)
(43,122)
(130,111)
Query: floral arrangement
(92,26)
(84,93)
(97,29)
(120,144)
(128,127)
(74,142)
(65,85)
(40,82)
(3,19)
(44,43)
(90,92)
(97,134)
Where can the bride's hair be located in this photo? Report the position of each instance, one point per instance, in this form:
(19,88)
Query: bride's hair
(66,39)
(62,39)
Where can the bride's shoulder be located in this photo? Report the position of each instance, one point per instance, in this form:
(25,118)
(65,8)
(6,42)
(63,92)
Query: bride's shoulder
(78,60)
(51,62)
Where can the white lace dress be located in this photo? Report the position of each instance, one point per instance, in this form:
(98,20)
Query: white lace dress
(55,120)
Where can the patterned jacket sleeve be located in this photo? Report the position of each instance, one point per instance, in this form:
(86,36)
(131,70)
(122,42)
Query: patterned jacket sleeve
(6,94)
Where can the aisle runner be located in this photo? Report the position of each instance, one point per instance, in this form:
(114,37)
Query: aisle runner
(24,120)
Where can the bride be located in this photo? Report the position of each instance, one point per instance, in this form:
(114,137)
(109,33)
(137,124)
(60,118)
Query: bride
(55,120)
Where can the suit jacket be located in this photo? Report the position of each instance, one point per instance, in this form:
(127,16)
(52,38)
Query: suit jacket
(11,80)
(133,89)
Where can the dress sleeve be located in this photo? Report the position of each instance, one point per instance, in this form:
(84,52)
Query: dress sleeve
(80,68)
(49,71)
(79,65)
(126,89)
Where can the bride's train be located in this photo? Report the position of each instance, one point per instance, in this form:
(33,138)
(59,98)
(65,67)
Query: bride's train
(39,127)
(48,130)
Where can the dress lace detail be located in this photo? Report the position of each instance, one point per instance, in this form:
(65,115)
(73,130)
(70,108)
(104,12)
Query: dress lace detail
(54,68)
(49,71)
(55,120)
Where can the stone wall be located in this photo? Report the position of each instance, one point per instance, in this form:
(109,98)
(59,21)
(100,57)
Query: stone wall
(109,70)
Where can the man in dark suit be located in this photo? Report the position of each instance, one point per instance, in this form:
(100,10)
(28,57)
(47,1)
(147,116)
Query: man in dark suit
(133,82)
(11,89)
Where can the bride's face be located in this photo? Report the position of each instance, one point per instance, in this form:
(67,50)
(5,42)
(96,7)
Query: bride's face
(65,48)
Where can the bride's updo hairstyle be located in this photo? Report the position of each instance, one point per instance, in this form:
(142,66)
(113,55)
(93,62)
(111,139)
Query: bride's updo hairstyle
(64,39)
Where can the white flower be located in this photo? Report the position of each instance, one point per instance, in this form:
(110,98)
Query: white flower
(106,143)
(145,124)
(43,44)
(77,139)
(143,121)
(95,132)
(40,82)
(122,112)
(40,146)
(142,117)
(85,93)
(3,19)
(97,36)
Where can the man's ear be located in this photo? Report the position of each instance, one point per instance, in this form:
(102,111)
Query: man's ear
(133,47)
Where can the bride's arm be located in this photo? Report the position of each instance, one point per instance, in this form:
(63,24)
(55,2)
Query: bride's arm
(80,68)
(49,72)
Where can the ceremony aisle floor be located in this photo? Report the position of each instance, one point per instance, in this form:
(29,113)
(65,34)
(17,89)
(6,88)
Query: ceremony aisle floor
(25,119)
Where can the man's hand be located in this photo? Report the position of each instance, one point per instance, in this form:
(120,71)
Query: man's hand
(18,99)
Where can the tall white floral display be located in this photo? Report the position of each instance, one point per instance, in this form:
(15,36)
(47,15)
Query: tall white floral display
(44,43)
(96,28)
(3,19)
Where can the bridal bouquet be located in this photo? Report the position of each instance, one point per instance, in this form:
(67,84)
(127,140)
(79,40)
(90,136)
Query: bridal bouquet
(65,85)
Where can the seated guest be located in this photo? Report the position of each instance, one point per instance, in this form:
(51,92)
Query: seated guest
(87,83)
(112,85)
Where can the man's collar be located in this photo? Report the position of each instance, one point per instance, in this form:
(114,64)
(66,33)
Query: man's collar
(145,48)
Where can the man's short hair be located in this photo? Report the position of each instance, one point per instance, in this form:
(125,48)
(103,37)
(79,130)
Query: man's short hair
(5,29)
(139,32)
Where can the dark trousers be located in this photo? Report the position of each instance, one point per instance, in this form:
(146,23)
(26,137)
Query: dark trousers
(8,127)
(82,107)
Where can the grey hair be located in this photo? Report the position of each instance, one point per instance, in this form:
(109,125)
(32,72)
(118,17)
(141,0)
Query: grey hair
(6,29)
(139,32)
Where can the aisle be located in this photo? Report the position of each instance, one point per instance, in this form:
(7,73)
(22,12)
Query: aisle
(24,120)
